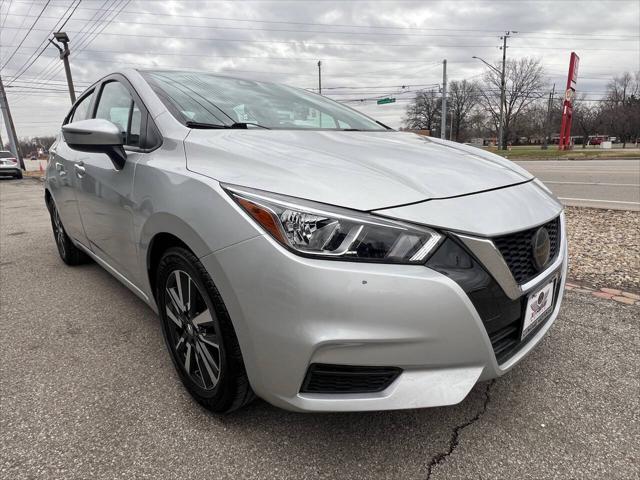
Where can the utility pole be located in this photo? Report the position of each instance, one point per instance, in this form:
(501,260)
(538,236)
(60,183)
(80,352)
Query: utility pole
(443,114)
(319,77)
(507,34)
(63,38)
(11,129)
(451,129)
(545,143)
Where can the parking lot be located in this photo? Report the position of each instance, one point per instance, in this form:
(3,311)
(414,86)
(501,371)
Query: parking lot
(88,391)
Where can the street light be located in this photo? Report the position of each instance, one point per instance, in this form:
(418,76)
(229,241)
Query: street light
(488,65)
(504,39)
(63,38)
(501,73)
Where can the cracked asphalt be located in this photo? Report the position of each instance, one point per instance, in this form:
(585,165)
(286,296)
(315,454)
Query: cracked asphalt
(88,391)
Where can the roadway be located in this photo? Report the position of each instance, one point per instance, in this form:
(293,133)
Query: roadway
(613,184)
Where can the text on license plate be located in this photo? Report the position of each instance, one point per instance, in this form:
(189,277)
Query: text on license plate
(538,306)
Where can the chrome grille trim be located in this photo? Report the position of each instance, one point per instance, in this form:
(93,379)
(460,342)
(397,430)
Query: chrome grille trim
(491,258)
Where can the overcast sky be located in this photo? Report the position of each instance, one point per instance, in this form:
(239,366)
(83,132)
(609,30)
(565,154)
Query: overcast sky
(368,49)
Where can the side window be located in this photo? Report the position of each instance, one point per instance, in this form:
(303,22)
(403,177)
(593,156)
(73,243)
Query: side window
(117,106)
(81,112)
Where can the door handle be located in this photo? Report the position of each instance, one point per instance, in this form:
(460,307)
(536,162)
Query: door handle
(60,169)
(80,170)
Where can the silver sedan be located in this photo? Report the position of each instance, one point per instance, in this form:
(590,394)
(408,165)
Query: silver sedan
(300,251)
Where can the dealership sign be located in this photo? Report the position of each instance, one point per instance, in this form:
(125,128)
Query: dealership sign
(567,106)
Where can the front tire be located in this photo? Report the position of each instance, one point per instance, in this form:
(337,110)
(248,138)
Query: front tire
(199,334)
(70,254)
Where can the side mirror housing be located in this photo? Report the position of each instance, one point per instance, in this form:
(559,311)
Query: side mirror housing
(96,135)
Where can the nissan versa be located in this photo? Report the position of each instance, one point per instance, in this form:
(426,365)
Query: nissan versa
(298,249)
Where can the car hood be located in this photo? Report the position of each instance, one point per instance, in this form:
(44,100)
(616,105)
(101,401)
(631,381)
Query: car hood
(359,170)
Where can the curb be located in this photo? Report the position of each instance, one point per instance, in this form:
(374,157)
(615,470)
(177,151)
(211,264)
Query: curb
(615,294)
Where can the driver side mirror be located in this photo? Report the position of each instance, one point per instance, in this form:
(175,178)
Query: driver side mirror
(98,136)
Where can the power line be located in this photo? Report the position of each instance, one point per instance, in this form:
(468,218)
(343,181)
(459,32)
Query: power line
(53,83)
(23,22)
(5,21)
(87,29)
(350,44)
(373,27)
(44,43)
(591,37)
(26,35)
(88,39)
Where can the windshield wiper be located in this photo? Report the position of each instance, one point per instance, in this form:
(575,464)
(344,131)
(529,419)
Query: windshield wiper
(383,125)
(237,125)
(246,125)
(191,124)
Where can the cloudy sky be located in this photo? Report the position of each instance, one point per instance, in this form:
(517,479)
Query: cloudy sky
(368,49)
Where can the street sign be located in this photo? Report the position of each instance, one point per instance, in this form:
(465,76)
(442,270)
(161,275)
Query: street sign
(382,101)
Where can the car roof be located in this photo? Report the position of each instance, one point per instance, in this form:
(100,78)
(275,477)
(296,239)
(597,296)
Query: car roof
(201,72)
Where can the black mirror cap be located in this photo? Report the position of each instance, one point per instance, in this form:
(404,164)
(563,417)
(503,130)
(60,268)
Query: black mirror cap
(116,153)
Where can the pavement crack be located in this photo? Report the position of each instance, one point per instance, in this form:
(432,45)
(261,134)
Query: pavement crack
(454,440)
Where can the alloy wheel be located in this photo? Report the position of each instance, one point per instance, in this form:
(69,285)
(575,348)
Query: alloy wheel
(58,231)
(194,332)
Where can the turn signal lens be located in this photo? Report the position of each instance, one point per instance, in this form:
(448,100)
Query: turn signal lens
(263,216)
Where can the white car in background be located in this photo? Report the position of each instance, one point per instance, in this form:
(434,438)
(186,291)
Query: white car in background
(9,165)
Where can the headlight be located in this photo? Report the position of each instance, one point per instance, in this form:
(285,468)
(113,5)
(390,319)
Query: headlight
(318,230)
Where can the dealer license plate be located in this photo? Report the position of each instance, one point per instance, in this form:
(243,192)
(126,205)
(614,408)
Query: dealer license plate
(539,305)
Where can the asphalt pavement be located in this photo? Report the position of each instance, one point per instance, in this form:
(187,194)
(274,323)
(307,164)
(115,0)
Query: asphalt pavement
(87,390)
(613,184)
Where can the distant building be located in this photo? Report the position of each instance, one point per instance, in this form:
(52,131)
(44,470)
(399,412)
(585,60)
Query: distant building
(425,133)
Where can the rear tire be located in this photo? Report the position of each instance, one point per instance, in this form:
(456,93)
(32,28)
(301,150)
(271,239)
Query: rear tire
(70,254)
(199,335)
(19,175)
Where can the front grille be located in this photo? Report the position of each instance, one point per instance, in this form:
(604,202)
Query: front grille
(507,341)
(323,378)
(517,252)
(502,317)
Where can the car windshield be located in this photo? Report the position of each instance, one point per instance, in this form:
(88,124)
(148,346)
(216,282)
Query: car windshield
(201,100)
(6,155)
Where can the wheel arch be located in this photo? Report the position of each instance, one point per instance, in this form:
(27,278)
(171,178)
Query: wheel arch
(48,198)
(163,231)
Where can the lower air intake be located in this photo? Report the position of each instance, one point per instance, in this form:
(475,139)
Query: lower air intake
(323,378)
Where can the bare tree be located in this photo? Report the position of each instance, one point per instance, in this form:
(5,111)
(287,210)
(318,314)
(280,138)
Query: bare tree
(621,111)
(30,145)
(532,125)
(586,117)
(424,112)
(524,81)
(463,97)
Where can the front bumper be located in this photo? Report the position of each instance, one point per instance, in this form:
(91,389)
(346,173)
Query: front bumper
(290,312)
